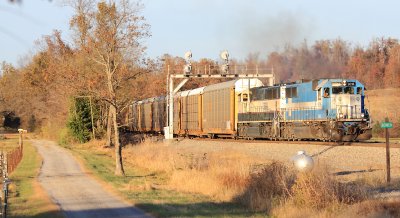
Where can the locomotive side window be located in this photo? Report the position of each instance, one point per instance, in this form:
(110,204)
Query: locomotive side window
(261,94)
(272,94)
(326,92)
(291,92)
(275,93)
(255,95)
(319,94)
(268,94)
(359,90)
(294,92)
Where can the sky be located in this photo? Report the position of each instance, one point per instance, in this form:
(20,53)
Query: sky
(207,27)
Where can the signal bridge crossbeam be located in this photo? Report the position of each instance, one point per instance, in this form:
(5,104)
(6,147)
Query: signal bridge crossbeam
(169,130)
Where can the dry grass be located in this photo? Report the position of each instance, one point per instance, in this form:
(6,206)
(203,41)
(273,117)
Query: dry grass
(268,187)
(319,189)
(375,208)
(221,175)
(273,187)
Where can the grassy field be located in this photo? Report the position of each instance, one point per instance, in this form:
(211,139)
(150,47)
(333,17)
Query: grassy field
(382,103)
(149,189)
(174,183)
(26,197)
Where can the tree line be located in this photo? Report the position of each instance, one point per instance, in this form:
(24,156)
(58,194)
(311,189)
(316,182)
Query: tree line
(104,69)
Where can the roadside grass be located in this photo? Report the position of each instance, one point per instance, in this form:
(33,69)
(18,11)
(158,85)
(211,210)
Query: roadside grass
(9,142)
(150,190)
(26,197)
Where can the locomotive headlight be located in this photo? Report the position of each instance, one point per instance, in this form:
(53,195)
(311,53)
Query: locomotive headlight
(362,115)
(340,115)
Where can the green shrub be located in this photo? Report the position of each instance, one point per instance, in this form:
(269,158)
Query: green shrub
(79,121)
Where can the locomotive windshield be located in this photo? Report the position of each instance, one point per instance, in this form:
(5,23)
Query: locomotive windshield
(349,90)
(343,90)
(337,90)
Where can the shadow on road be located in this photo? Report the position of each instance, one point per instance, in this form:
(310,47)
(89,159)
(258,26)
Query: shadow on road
(323,151)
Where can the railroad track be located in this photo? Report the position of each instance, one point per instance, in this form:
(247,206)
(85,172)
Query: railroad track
(359,144)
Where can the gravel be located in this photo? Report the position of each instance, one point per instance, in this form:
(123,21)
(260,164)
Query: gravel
(348,162)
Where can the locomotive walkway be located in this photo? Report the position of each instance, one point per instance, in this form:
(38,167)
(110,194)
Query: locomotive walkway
(76,193)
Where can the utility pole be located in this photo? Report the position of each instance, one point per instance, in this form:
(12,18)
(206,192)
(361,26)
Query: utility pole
(91,115)
(387,125)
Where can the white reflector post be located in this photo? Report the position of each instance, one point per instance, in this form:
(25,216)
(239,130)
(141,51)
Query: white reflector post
(303,162)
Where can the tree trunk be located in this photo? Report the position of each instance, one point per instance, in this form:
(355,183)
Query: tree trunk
(119,169)
(109,128)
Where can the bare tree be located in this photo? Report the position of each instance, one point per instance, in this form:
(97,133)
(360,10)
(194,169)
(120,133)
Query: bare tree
(110,36)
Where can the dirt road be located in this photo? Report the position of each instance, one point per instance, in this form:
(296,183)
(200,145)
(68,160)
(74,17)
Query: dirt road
(77,194)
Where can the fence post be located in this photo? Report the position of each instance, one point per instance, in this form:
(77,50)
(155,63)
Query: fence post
(5,165)
(5,194)
(21,141)
(4,175)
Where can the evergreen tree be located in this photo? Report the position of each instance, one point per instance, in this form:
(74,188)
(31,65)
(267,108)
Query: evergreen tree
(79,122)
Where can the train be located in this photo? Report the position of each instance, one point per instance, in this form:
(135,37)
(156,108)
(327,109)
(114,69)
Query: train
(319,109)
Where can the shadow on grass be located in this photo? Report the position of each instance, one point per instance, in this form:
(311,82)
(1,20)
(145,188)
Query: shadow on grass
(48,214)
(200,209)
(348,172)
(206,209)
(122,212)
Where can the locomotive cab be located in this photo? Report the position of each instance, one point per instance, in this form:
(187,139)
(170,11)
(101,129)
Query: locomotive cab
(344,102)
(345,99)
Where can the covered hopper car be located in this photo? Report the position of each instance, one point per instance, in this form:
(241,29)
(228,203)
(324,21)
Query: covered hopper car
(323,109)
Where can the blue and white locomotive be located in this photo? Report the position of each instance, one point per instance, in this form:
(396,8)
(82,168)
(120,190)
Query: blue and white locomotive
(324,109)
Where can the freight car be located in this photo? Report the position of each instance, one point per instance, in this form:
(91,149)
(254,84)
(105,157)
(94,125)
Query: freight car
(323,109)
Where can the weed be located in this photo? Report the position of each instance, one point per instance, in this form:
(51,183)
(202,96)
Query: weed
(267,187)
(319,189)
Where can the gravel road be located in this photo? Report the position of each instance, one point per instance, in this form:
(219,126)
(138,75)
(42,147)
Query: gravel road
(76,193)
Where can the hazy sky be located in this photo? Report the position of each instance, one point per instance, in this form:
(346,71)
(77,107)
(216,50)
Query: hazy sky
(207,27)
